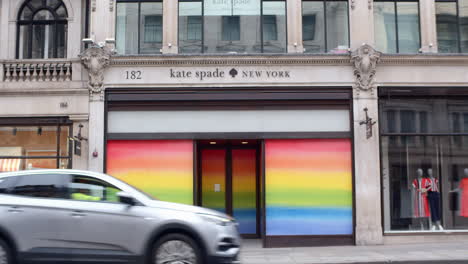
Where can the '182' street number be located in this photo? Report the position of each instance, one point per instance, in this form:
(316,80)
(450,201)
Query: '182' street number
(133,75)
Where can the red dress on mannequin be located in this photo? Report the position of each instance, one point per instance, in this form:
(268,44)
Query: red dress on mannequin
(464,197)
(420,203)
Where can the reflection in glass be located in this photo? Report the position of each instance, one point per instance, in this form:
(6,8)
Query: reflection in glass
(337,27)
(313,26)
(274,27)
(463,20)
(408,27)
(447,27)
(190,27)
(385,27)
(151,28)
(127,28)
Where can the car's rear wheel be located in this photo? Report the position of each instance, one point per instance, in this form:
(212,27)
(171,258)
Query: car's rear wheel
(176,249)
(5,253)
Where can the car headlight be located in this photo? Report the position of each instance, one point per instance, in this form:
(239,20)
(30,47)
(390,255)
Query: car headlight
(219,220)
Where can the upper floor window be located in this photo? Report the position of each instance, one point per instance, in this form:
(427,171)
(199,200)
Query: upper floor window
(452,26)
(325,26)
(396,26)
(139,27)
(42,30)
(231,26)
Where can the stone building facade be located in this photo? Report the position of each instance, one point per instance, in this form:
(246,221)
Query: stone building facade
(300,118)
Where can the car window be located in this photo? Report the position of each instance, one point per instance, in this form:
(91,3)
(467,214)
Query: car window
(40,185)
(86,188)
(5,183)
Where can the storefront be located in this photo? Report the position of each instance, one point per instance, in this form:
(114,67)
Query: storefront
(424,150)
(35,143)
(278,159)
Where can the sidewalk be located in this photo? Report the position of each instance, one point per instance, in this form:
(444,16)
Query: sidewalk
(444,253)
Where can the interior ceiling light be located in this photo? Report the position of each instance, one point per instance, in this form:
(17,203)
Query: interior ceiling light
(245,142)
(213,142)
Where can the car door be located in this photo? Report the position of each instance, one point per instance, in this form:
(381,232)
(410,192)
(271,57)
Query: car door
(32,212)
(100,227)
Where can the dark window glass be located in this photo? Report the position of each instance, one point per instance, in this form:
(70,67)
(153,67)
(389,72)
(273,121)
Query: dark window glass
(396,26)
(85,188)
(325,26)
(5,183)
(408,121)
(231,28)
(190,27)
(447,27)
(270,30)
(308,27)
(44,34)
(423,128)
(41,185)
(463,20)
(194,28)
(153,29)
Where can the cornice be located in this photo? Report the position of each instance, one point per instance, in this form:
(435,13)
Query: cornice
(284,59)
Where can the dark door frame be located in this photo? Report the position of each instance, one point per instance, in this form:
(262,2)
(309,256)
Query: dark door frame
(228,174)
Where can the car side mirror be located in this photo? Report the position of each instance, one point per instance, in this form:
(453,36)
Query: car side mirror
(126,198)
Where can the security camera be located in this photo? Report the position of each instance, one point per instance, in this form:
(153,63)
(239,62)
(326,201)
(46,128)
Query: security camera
(88,41)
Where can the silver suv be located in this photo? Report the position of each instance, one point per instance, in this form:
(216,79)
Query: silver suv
(80,216)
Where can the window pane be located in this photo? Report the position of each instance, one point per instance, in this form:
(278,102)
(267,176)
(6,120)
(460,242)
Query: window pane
(384,27)
(47,186)
(337,27)
(313,26)
(52,3)
(91,189)
(190,27)
(24,41)
(62,35)
(232,26)
(151,28)
(27,14)
(43,15)
(463,14)
(61,12)
(127,28)
(274,27)
(28,141)
(408,27)
(447,27)
(42,42)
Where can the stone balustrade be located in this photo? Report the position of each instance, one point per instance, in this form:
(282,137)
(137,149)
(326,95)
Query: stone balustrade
(37,71)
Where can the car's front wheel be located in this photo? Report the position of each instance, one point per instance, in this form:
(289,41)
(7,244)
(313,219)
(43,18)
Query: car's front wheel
(5,253)
(176,249)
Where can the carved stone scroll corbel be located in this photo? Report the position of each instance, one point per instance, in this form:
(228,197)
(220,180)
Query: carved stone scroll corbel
(96,59)
(364,61)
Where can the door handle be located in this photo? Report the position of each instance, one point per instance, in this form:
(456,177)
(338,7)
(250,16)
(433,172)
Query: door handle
(78,214)
(15,209)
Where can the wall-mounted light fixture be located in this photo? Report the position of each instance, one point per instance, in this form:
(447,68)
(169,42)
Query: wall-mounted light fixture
(14,131)
(369,124)
(39,131)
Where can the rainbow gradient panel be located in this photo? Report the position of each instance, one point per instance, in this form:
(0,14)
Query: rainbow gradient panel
(213,179)
(244,184)
(308,187)
(161,168)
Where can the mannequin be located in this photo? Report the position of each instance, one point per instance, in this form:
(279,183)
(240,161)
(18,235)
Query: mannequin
(420,205)
(433,195)
(464,194)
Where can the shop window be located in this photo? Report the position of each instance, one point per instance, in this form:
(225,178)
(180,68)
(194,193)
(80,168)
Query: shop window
(255,26)
(452,26)
(42,30)
(325,26)
(139,27)
(424,175)
(396,26)
(39,146)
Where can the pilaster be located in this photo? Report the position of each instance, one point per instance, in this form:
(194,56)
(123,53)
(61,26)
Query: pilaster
(428,27)
(170,26)
(360,32)
(366,148)
(294,24)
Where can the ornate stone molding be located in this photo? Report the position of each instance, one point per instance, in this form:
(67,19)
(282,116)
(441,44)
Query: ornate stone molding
(111,5)
(93,5)
(364,61)
(369,4)
(96,59)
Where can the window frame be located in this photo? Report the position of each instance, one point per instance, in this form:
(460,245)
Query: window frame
(324,2)
(58,122)
(397,39)
(457,6)
(240,26)
(141,25)
(30,23)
